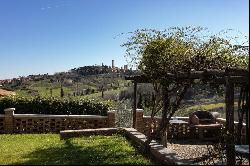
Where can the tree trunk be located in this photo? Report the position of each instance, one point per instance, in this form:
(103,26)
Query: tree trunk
(162,132)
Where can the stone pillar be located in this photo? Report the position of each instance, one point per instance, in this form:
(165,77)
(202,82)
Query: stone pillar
(111,118)
(9,120)
(139,125)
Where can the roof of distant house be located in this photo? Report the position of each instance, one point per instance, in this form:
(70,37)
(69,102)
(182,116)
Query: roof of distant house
(6,93)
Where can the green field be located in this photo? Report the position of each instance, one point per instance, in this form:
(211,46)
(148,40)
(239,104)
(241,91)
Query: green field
(215,107)
(48,149)
(112,87)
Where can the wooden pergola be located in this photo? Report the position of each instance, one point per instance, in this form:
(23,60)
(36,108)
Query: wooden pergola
(231,78)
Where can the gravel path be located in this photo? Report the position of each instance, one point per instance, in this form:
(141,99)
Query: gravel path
(191,152)
(198,152)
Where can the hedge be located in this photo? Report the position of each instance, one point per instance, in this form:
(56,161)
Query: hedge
(54,106)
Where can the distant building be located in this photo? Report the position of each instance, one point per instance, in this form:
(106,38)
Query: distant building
(125,67)
(6,93)
(113,63)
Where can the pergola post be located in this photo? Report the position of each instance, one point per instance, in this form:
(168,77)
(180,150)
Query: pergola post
(135,103)
(229,100)
(247,111)
(247,114)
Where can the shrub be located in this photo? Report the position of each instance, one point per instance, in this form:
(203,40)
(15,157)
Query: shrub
(55,106)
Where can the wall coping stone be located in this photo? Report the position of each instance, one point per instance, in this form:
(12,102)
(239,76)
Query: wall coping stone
(65,134)
(224,121)
(86,130)
(9,109)
(158,117)
(112,111)
(58,116)
(139,110)
(186,118)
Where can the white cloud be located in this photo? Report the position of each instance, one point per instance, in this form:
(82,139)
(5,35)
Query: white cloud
(53,6)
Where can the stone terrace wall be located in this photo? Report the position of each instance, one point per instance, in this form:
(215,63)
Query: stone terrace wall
(41,123)
(182,131)
(174,130)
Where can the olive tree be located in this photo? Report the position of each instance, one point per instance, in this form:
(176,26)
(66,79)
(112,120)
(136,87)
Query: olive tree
(174,50)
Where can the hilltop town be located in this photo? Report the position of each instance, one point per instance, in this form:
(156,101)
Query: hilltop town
(75,82)
(72,74)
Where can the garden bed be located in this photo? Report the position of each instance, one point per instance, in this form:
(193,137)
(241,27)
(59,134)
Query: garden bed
(48,149)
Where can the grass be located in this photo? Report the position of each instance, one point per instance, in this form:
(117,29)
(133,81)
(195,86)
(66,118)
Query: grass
(216,107)
(22,93)
(56,92)
(48,149)
(106,93)
(42,88)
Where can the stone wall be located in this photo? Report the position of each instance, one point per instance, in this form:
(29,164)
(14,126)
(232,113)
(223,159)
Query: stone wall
(41,123)
(176,131)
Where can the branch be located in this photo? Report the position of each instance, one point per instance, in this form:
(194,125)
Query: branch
(177,102)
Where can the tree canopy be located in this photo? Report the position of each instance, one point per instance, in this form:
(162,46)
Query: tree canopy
(174,50)
(183,49)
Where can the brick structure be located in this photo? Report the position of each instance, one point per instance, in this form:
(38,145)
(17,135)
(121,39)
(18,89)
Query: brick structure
(42,123)
(9,120)
(139,124)
(176,131)
(111,118)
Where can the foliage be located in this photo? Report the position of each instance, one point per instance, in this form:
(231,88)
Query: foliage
(182,49)
(174,50)
(48,149)
(55,106)
(123,113)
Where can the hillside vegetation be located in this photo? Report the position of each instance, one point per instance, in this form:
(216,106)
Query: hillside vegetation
(111,88)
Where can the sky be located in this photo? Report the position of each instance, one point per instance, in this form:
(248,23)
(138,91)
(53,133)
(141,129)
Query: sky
(48,36)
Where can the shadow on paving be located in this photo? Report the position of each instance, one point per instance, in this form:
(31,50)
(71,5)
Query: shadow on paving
(193,142)
(72,154)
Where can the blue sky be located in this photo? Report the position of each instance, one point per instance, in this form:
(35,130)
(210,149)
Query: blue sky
(47,36)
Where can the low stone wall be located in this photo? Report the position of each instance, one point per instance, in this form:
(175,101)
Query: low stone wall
(41,123)
(160,154)
(65,134)
(180,131)
(177,131)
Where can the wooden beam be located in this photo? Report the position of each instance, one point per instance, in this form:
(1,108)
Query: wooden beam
(233,79)
(241,75)
(229,100)
(237,72)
